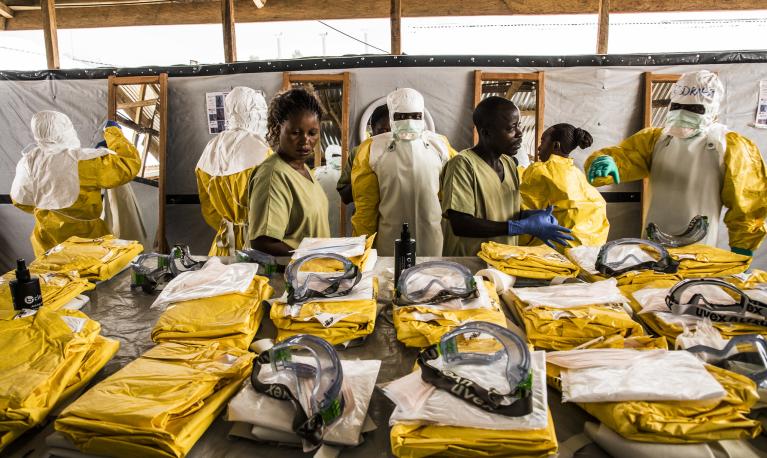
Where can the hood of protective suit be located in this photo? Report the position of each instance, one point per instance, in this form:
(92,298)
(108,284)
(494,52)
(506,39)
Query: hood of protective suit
(702,88)
(52,129)
(333,156)
(406,100)
(246,109)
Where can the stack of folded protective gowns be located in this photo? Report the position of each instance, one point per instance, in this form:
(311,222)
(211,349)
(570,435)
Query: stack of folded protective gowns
(262,418)
(94,259)
(422,325)
(695,261)
(563,317)
(47,357)
(432,422)
(58,288)
(338,319)
(657,395)
(538,262)
(158,405)
(218,303)
(649,304)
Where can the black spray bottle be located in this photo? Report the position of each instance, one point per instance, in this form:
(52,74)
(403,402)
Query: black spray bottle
(404,253)
(25,289)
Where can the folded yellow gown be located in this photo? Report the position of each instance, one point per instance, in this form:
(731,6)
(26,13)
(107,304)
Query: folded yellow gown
(158,405)
(424,324)
(94,259)
(329,265)
(567,316)
(58,288)
(46,358)
(539,262)
(230,319)
(336,321)
(695,261)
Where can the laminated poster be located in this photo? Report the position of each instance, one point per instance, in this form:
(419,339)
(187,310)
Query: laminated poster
(761,108)
(214,102)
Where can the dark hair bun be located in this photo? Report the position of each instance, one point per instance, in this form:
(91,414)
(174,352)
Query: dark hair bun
(582,138)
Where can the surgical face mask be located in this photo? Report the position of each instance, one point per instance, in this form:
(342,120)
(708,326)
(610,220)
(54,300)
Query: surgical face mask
(408,129)
(685,124)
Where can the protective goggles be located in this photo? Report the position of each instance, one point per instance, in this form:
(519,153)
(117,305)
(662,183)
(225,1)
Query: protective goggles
(745,355)
(302,286)
(434,282)
(266,262)
(324,373)
(148,271)
(743,310)
(517,402)
(695,232)
(616,258)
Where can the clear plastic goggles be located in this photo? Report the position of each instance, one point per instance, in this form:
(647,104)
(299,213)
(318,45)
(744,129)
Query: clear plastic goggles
(434,282)
(623,255)
(150,271)
(480,344)
(745,355)
(695,232)
(326,401)
(742,309)
(302,286)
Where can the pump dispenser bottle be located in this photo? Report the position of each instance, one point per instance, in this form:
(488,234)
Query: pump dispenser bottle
(25,289)
(404,253)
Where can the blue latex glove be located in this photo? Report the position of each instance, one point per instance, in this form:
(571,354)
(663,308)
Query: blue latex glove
(547,211)
(742,251)
(604,166)
(539,225)
(111,124)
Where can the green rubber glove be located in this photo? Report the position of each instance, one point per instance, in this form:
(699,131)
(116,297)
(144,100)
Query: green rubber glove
(742,251)
(604,166)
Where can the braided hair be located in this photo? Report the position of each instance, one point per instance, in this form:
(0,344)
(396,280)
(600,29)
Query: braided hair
(285,104)
(570,137)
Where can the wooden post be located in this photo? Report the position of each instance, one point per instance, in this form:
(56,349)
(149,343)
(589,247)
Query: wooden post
(477,98)
(396,27)
(227,21)
(603,27)
(344,140)
(5,11)
(540,106)
(48,9)
(162,242)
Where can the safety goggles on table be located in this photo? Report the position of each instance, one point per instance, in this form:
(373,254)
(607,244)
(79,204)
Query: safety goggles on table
(434,282)
(745,355)
(614,260)
(743,309)
(326,401)
(302,286)
(695,232)
(151,270)
(516,402)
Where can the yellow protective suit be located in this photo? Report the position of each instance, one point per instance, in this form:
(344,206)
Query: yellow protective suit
(230,319)
(577,205)
(424,324)
(539,262)
(350,319)
(94,259)
(417,440)
(743,188)
(47,358)
(680,422)
(61,210)
(158,405)
(57,288)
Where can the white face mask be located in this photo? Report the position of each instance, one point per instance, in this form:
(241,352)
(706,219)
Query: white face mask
(685,124)
(408,129)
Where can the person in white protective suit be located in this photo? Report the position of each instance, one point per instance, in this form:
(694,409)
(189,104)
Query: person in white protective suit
(60,182)
(695,166)
(225,166)
(328,175)
(395,178)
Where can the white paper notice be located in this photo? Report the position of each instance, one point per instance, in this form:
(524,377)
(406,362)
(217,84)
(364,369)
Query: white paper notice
(214,103)
(761,108)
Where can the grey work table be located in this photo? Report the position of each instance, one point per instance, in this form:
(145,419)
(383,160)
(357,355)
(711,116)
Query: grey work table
(126,315)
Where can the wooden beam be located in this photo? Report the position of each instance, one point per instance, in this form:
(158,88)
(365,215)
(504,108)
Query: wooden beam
(395,16)
(162,242)
(478,77)
(5,11)
(227,22)
(138,103)
(260,3)
(540,108)
(48,17)
(603,27)
(345,137)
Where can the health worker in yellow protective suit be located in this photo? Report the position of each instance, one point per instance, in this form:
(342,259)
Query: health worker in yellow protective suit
(480,188)
(379,124)
(695,166)
(395,178)
(225,167)
(556,180)
(60,183)
(286,202)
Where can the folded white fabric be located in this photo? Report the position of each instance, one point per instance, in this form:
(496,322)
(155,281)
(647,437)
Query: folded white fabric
(572,294)
(419,401)
(616,375)
(345,246)
(213,279)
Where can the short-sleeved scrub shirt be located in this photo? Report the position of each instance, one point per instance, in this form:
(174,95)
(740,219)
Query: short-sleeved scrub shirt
(470,185)
(285,205)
